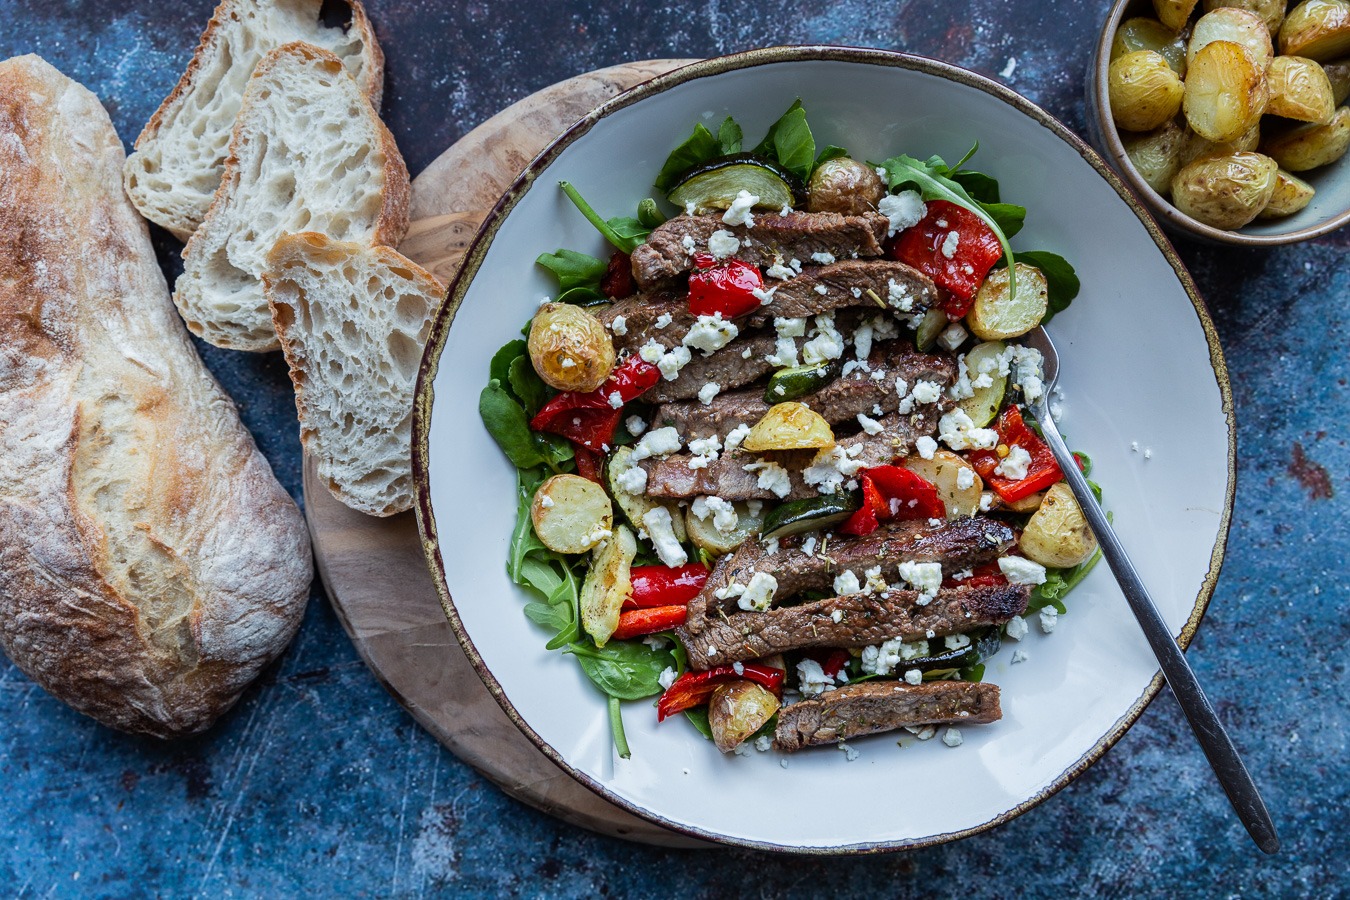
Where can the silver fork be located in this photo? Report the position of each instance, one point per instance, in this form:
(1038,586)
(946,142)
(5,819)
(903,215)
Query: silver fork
(1214,740)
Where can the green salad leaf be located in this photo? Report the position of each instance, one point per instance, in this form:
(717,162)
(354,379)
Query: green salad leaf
(1060,278)
(629,670)
(650,215)
(624,232)
(505,420)
(697,149)
(573,269)
(729,136)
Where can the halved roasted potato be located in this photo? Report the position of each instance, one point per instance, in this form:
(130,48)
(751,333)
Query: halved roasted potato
(944,472)
(571,514)
(1242,27)
(635,506)
(1225,91)
(844,186)
(1057,534)
(1197,147)
(1143,90)
(1142,33)
(1309,146)
(1291,195)
(608,584)
(569,347)
(737,710)
(789,426)
(998,315)
(1225,191)
(1338,73)
(1174,13)
(1157,155)
(1300,89)
(705,533)
(1270,11)
(983,405)
(1317,29)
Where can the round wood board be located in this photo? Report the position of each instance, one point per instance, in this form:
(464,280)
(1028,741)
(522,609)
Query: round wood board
(374,570)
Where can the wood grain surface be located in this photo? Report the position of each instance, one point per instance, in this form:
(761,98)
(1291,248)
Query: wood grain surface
(374,570)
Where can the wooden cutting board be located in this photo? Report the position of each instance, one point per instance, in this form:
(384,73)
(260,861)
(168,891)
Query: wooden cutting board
(374,570)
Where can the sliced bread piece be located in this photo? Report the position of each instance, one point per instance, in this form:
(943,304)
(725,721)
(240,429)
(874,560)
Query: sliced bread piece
(309,153)
(353,321)
(180,155)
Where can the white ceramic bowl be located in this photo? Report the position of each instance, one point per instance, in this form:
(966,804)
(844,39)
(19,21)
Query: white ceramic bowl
(1140,366)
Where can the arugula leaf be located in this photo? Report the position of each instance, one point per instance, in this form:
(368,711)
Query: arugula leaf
(698,148)
(628,670)
(765,147)
(729,136)
(523,539)
(981,187)
(1009,217)
(505,420)
(500,367)
(649,214)
(574,269)
(582,296)
(624,232)
(793,144)
(1060,278)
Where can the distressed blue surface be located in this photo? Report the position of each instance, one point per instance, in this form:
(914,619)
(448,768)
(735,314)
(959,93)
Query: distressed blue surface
(318,783)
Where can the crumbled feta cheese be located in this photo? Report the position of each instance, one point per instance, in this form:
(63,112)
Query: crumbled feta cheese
(708,392)
(823,258)
(870,425)
(901,388)
(687,242)
(779,271)
(741,749)
(875,583)
(926,447)
(723,243)
(615,400)
(663,320)
(926,578)
(965,478)
(724,517)
(708,446)
(1049,617)
(901,296)
(739,211)
(1014,466)
(812,680)
(829,468)
(1017,628)
(661,442)
(772,477)
(1148,453)
(546,502)
(632,480)
(652,351)
(635,425)
(986,501)
(727,591)
(826,345)
(952,737)
(913,676)
(1026,364)
(927,392)
(836,616)
(567,362)
(903,210)
(758,593)
(1020,570)
(671,363)
(1020,655)
(956,641)
(809,545)
(822,290)
(849,753)
(764,297)
(619,326)
(862,340)
(789,327)
(660,529)
(710,333)
(922,732)
(881,659)
(953,336)
(846,583)
(763,743)
(734,438)
(667,677)
(950,245)
(957,430)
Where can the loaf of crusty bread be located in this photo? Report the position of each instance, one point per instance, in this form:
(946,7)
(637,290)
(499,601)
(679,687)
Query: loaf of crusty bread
(180,155)
(353,321)
(150,563)
(308,153)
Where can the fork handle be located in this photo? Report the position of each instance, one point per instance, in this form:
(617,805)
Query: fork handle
(1214,740)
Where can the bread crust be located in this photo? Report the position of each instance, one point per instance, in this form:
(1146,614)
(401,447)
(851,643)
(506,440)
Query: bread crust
(225,15)
(150,563)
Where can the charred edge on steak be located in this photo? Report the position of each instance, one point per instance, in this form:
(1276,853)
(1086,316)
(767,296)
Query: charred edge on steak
(879,706)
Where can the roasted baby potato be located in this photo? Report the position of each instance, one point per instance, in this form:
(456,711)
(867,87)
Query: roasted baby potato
(1225,91)
(789,426)
(737,710)
(1225,191)
(1149,34)
(1143,91)
(1309,146)
(944,472)
(571,514)
(1270,11)
(1057,535)
(1197,147)
(1300,89)
(1157,154)
(1174,13)
(998,315)
(705,534)
(1317,29)
(844,186)
(1240,26)
(569,347)
(608,584)
(1338,73)
(984,404)
(1291,195)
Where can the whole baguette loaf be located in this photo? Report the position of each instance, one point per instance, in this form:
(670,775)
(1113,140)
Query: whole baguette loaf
(308,153)
(180,155)
(353,321)
(150,563)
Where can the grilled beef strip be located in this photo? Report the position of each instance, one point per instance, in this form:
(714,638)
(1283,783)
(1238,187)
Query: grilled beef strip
(852,620)
(878,706)
(959,544)
(641,312)
(847,284)
(773,238)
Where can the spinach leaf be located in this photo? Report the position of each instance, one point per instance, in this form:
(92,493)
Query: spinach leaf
(505,420)
(629,670)
(556,451)
(729,136)
(978,185)
(1059,582)
(500,367)
(527,386)
(649,214)
(830,152)
(766,148)
(699,147)
(624,232)
(574,269)
(1009,217)
(582,296)
(1060,278)
(699,716)
(794,146)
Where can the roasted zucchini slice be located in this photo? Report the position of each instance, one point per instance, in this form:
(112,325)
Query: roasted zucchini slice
(715,184)
(799,381)
(811,514)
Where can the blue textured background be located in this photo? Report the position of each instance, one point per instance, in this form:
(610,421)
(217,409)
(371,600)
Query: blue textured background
(318,783)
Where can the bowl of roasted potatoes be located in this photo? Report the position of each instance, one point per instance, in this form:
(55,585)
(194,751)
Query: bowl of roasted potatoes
(1228,117)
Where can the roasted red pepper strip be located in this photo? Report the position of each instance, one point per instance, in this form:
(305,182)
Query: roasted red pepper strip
(957,264)
(637,622)
(916,498)
(986,575)
(694,688)
(727,288)
(617,282)
(1042,471)
(664,585)
(588,463)
(590,419)
(834,663)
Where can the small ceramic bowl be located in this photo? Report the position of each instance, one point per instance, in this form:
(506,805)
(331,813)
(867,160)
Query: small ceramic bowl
(1329,209)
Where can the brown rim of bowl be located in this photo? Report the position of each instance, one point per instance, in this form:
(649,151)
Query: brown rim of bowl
(750,59)
(1099,110)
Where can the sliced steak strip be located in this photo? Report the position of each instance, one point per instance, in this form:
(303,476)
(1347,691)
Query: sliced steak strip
(798,235)
(727,368)
(960,544)
(853,620)
(861,391)
(847,284)
(725,477)
(878,706)
(641,312)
